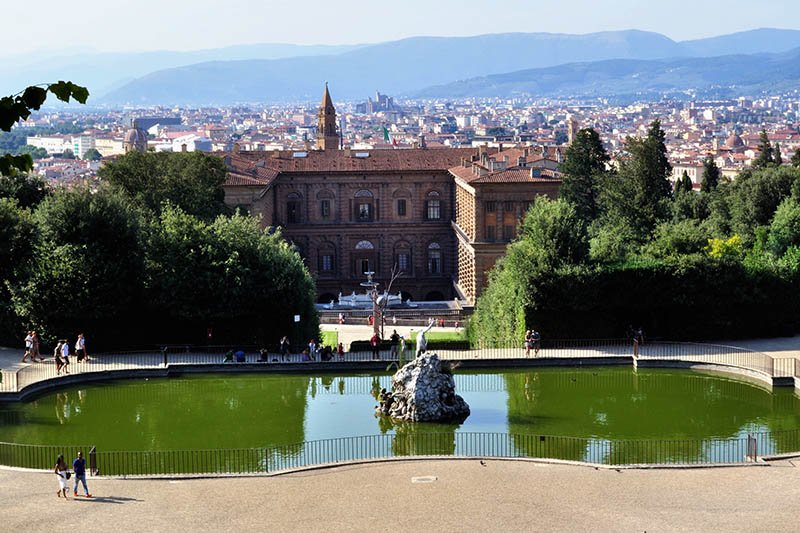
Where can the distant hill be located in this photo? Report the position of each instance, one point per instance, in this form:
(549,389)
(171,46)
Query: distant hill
(394,67)
(101,72)
(737,74)
(763,40)
(280,73)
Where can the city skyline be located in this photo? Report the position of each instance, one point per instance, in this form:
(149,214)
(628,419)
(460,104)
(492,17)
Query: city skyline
(151,26)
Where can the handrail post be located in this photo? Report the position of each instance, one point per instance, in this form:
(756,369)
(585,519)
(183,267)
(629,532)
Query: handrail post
(93,460)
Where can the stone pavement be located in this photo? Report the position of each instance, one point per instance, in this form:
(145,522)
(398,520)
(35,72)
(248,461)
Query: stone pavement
(461,495)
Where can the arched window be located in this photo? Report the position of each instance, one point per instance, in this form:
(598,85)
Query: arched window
(365,258)
(364,204)
(433,206)
(434,258)
(293,202)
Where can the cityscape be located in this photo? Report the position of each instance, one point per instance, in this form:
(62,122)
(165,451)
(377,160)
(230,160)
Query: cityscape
(452,266)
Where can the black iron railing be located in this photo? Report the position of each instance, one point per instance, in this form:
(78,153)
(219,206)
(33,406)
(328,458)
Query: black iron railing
(749,448)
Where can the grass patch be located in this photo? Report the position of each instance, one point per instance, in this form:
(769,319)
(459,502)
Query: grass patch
(330,338)
(445,336)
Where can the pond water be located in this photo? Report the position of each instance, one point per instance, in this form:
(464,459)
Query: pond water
(267,410)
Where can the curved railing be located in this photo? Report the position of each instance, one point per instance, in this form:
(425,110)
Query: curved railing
(551,351)
(748,448)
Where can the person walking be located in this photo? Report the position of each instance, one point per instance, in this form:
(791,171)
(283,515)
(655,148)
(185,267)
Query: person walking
(28,346)
(340,351)
(35,353)
(528,343)
(80,348)
(65,355)
(61,471)
(57,357)
(536,342)
(79,469)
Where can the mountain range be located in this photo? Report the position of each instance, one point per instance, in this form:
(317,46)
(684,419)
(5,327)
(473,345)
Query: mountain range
(417,66)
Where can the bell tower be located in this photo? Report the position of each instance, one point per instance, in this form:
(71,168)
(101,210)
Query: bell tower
(327,138)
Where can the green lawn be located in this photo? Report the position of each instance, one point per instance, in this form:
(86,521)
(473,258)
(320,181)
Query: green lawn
(445,336)
(330,338)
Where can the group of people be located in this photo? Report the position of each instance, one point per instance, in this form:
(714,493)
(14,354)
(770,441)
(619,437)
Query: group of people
(533,341)
(61,352)
(314,352)
(396,341)
(78,472)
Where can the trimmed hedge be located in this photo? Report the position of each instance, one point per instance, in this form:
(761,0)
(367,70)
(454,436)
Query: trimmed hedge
(693,297)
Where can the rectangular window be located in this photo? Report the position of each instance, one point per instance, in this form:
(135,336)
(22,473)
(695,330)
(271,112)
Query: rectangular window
(490,235)
(508,232)
(490,207)
(434,262)
(293,212)
(403,262)
(434,210)
(401,207)
(325,208)
(509,206)
(364,212)
(326,263)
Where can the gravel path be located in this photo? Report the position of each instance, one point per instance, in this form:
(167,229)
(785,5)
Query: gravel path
(465,496)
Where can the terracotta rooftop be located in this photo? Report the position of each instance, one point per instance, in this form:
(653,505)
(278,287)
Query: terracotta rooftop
(512,175)
(251,168)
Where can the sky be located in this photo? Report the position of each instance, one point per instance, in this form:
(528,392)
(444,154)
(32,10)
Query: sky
(138,25)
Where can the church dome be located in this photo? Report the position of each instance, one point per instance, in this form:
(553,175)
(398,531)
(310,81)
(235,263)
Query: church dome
(135,139)
(734,141)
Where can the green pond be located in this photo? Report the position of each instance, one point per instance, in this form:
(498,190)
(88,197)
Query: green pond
(267,410)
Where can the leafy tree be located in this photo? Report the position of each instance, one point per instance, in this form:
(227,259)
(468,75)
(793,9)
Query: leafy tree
(88,269)
(796,158)
(711,175)
(33,151)
(731,248)
(684,184)
(584,163)
(92,155)
(676,239)
(243,271)
(777,158)
(765,152)
(552,236)
(67,154)
(784,232)
(19,106)
(192,181)
(17,237)
(638,196)
(27,190)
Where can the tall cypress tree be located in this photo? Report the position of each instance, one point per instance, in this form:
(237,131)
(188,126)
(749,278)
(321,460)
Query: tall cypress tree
(711,175)
(764,158)
(777,158)
(796,158)
(584,165)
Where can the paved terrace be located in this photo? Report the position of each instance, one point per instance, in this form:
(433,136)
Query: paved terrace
(777,358)
(464,495)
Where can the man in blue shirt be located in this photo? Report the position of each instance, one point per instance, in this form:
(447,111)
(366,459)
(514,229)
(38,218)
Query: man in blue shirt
(79,468)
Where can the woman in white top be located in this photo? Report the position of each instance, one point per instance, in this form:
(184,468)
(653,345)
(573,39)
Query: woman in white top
(61,471)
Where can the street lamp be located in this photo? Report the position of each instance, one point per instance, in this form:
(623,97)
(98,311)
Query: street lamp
(372,290)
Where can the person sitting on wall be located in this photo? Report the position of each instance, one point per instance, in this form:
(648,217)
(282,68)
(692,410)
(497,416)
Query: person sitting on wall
(240,357)
(263,355)
(228,358)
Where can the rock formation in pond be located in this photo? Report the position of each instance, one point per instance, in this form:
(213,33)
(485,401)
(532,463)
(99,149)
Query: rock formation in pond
(423,391)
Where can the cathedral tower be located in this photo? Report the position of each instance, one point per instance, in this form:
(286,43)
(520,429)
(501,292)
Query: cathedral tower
(327,138)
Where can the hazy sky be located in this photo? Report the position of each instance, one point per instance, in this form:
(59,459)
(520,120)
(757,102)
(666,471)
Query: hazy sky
(115,25)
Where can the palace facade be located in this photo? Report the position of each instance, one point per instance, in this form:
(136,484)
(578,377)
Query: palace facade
(442,216)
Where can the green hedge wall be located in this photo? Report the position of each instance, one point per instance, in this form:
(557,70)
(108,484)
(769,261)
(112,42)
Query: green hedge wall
(689,298)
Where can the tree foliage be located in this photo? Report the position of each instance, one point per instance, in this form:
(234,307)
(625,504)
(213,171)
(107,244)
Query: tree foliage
(19,106)
(638,196)
(584,164)
(711,175)
(765,152)
(191,181)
